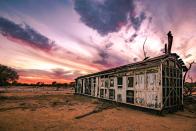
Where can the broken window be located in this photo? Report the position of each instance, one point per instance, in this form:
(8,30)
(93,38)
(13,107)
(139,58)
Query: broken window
(105,92)
(130,81)
(119,98)
(106,83)
(130,96)
(94,81)
(102,82)
(119,82)
(111,82)
(111,94)
(102,93)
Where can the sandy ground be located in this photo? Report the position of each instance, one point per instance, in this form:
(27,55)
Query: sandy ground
(27,109)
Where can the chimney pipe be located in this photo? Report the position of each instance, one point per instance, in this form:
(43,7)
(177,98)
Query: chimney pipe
(170,40)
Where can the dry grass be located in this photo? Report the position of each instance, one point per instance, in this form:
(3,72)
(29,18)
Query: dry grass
(48,110)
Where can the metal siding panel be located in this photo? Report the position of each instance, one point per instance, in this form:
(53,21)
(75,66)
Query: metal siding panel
(153,99)
(161,85)
(84,86)
(140,98)
(96,87)
(124,89)
(153,95)
(139,82)
(115,88)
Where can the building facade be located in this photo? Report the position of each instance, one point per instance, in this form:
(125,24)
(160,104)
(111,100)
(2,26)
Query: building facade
(155,83)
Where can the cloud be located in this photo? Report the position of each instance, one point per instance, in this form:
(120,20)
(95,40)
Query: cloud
(103,54)
(135,59)
(187,56)
(25,33)
(52,75)
(49,51)
(108,45)
(136,21)
(131,39)
(106,16)
(192,72)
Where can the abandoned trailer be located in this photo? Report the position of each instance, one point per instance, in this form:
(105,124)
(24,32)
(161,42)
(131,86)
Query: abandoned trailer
(155,83)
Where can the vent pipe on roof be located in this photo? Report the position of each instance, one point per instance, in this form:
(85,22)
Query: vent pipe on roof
(170,40)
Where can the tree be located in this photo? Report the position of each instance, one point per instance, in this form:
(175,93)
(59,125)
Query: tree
(190,65)
(40,84)
(7,75)
(188,87)
(54,83)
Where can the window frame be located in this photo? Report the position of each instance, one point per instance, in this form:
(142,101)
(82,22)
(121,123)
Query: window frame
(112,91)
(130,98)
(132,82)
(110,82)
(120,86)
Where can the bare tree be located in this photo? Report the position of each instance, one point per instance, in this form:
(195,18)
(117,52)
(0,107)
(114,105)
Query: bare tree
(190,77)
(190,65)
(145,53)
(188,87)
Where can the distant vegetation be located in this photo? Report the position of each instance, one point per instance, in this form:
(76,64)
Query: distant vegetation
(7,75)
(42,84)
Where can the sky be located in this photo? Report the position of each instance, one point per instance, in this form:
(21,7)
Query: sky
(59,40)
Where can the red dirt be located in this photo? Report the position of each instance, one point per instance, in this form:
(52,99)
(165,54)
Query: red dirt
(57,110)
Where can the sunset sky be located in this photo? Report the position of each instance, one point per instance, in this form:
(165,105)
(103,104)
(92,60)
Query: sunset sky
(58,40)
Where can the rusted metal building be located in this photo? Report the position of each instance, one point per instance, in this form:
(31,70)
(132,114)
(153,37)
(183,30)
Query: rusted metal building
(155,83)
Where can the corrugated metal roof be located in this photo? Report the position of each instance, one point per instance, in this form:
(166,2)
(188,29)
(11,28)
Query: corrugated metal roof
(152,61)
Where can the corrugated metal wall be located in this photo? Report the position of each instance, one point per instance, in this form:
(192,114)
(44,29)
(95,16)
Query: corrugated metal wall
(146,86)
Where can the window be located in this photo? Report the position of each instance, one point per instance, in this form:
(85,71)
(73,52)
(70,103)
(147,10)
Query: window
(119,98)
(105,91)
(130,81)
(111,82)
(94,81)
(101,93)
(119,82)
(106,83)
(79,86)
(102,82)
(111,94)
(130,96)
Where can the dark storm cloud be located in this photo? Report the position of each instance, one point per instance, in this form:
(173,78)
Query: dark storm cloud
(108,59)
(103,54)
(24,33)
(107,16)
(108,45)
(133,37)
(136,21)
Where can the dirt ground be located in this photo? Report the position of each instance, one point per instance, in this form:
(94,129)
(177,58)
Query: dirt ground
(29,109)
